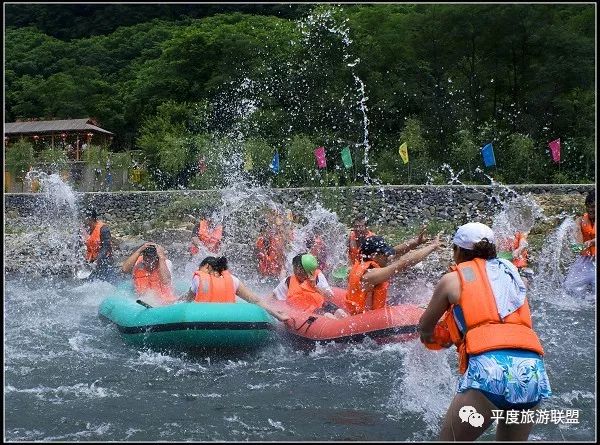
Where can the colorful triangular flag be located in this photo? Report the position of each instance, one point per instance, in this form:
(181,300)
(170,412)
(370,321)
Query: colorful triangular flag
(404,152)
(555,149)
(320,155)
(274,166)
(347,157)
(487,152)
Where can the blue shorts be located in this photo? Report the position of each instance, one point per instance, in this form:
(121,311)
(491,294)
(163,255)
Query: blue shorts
(509,378)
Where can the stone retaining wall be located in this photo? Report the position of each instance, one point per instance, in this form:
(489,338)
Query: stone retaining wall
(389,205)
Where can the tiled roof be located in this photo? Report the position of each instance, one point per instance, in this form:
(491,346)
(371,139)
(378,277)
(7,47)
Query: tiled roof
(51,126)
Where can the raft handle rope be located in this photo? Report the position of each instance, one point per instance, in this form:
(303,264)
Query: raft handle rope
(308,321)
(143,303)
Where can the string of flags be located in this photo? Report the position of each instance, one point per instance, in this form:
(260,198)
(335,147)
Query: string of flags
(487,153)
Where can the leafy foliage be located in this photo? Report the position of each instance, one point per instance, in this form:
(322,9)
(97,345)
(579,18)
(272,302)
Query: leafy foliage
(172,80)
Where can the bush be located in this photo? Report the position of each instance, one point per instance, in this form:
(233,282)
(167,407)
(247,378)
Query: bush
(19,158)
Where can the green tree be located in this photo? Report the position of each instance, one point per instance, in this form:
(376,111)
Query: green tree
(19,158)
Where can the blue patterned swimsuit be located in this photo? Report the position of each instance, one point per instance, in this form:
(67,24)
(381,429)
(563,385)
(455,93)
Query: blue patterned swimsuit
(509,378)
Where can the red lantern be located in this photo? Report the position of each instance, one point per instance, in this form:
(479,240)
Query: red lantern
(36,138)
(63,136)
(89,136)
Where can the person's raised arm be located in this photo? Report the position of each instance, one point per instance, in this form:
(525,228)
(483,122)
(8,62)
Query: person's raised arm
(128,264)
(163,269)
(411,244)
(577,231)
(376,276)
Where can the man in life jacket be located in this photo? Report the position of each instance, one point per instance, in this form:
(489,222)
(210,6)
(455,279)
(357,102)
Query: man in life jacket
(213,283)
(357,236)
(207,233)
(271,244)
(515,249)
(360,232)
(582,273)
(151,273)
(368,280)
(484,312)
(98,244)
(307,289)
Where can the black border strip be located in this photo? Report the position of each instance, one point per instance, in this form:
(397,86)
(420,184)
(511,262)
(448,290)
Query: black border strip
(194,326)
(395,330)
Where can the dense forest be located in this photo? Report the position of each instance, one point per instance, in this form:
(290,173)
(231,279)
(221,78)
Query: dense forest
(199,87)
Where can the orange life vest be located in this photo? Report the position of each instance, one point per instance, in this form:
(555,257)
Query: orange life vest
(521,260)
(588,230)
(303,296)
(92,242)
(270,254)
(354,252)
(210,238)
(485,331)
(214,288)
(356,297)
(145,281)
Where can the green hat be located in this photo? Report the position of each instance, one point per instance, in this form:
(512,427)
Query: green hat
(309,263)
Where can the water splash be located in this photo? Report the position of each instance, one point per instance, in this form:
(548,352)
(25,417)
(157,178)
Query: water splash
(51,233)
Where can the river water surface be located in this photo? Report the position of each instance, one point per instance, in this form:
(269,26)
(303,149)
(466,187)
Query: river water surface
(70,377)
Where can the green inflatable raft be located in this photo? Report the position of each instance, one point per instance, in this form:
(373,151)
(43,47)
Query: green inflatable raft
(188,326)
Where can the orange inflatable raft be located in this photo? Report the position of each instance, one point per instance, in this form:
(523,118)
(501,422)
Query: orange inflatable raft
(390,324)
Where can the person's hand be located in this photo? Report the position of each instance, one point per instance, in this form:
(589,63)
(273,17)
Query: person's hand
(422,236)
(160,250)
(282,316)
(439,242)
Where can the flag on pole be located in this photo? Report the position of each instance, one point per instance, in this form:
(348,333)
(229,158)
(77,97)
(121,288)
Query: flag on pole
(248,164)
(404,153)
(274,166)
(555,149)
(347,157)
(488,155)
(320,155)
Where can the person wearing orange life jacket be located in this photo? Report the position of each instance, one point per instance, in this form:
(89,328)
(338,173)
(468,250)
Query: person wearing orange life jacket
(360,232)
(208,234)
(213,283)
(484,312)
(368,280)
(582,273)
(98,247)
(307,288)
(151,273)
(357,236)
(270,247)
(516,248)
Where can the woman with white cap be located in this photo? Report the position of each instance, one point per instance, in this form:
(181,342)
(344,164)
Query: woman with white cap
(486,315)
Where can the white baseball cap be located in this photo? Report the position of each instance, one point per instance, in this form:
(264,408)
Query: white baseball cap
(468,234)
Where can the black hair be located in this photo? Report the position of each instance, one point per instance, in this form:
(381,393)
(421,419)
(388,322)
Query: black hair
(360,218)
(150,252)
(297,261)
(91,213)
(218,264)
(483,249)
(590,198)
